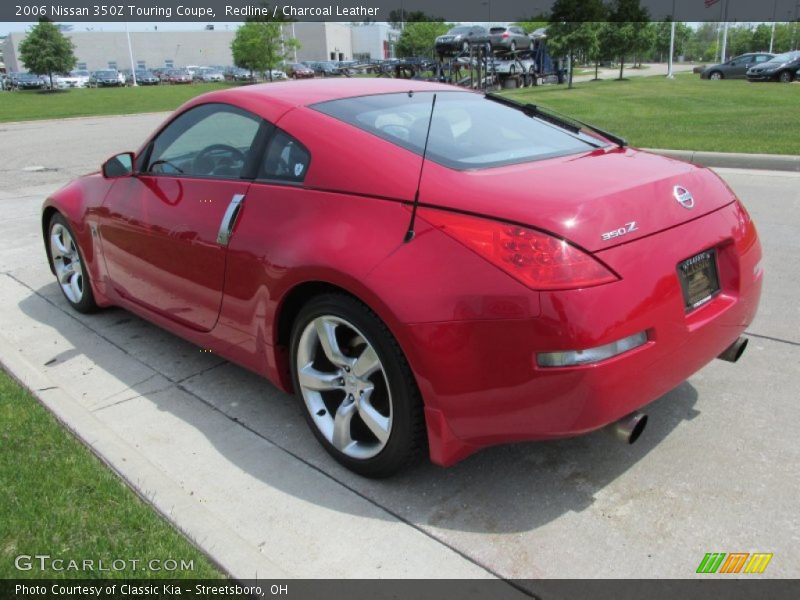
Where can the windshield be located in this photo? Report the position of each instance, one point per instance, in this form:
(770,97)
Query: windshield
(106,73)
(467,131)
(782,58)
(457,30)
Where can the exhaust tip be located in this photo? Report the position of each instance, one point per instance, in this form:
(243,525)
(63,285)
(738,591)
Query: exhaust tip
(734,352)
(629,428)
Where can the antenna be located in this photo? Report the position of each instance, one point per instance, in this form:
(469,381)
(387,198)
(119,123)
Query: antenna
(410,232)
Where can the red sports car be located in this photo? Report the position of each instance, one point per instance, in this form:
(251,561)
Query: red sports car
(426,268)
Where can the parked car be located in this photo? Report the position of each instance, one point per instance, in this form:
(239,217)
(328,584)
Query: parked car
(327,68)
(179,76)
(299,71)
(736,68)
(144,77)
(209,75)
(239,74)
(75,79)
(511,38)
(457,40)
(779,68)
(275,75)
(106,78)
(29,81)
(468,320)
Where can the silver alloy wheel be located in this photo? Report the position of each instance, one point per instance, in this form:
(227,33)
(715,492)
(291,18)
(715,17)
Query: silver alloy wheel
(67,263)
(344,386)
(716,75)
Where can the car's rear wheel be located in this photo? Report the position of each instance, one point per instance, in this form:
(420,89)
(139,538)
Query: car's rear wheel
(715,75)
(68,264)
(785,77)
(360,398)
(513,47)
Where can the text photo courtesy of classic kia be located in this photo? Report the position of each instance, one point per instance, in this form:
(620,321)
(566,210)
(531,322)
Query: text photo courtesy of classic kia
(430,271)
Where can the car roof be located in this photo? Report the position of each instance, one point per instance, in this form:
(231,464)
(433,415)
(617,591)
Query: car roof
(292,94)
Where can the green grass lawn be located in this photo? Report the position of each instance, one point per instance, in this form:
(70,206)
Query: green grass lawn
(29,105)
(58,499)
(685,113)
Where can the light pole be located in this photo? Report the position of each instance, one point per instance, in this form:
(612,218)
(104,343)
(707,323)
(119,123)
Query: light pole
(130,54)
(670,75)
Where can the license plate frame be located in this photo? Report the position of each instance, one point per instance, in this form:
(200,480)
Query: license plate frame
(699,277)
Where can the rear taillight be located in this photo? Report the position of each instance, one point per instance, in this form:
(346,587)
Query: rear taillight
(538,260)
(505,35)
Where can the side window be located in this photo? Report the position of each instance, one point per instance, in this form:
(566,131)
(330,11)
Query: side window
(762,58)
(286,159)
(211,140)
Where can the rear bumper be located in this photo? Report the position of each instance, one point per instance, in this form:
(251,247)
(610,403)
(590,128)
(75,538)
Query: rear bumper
(481,382)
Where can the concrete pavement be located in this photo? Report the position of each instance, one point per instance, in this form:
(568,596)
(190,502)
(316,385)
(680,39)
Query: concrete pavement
(230,460)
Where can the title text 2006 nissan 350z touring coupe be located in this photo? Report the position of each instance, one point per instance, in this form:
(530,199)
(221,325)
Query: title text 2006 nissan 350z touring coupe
(427,269)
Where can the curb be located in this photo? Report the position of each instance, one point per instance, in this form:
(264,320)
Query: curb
(200,527)
(769,162)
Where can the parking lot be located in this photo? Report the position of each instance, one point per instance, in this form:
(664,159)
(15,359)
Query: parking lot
(231,460)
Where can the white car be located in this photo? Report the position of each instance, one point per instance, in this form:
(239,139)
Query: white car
(277,75)
(75,79)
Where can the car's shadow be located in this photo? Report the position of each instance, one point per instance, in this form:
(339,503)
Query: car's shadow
(506,489)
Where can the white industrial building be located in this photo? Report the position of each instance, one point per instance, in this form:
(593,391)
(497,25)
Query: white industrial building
(109,49)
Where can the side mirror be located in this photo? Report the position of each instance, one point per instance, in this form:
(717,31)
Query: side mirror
(120,165)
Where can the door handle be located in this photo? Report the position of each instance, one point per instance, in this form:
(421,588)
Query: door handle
(229,219)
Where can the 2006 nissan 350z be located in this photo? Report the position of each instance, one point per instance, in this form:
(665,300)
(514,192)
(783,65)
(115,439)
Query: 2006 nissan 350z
(428,269)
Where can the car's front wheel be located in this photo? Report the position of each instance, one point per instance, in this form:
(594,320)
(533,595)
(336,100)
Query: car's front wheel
(69,266)
(359,395)
(716,76)
(785,77)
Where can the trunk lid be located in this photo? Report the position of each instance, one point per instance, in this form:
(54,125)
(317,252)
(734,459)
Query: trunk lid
(596,200)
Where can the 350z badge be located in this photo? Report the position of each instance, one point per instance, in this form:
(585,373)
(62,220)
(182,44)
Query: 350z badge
(610,235)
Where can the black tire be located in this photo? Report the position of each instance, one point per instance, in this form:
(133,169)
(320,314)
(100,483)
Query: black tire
(785,77)
(86,304)
(513,46)
(716,75)
(407,439)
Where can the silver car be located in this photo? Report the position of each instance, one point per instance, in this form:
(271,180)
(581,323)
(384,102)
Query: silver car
(510,38)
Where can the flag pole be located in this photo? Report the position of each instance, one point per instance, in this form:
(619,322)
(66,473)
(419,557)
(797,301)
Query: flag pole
(670,75)
(724,52)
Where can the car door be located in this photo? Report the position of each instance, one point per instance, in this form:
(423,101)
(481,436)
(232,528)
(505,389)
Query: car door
(165,230)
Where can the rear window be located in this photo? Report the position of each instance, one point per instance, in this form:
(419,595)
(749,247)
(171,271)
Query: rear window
(497,30)
(467,130)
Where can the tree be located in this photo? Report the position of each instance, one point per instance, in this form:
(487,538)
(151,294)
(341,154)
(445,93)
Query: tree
(419,38)
(533,24)
(45,50)
(260,46)
(663,31)
(398,18)
(573,28)
(626,31)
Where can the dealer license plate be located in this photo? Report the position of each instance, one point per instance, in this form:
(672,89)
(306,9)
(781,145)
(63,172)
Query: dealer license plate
(699,279)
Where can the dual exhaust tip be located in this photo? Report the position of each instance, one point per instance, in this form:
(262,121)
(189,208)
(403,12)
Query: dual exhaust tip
(630,427)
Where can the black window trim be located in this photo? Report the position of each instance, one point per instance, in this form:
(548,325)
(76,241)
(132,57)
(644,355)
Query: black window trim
(280,181)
